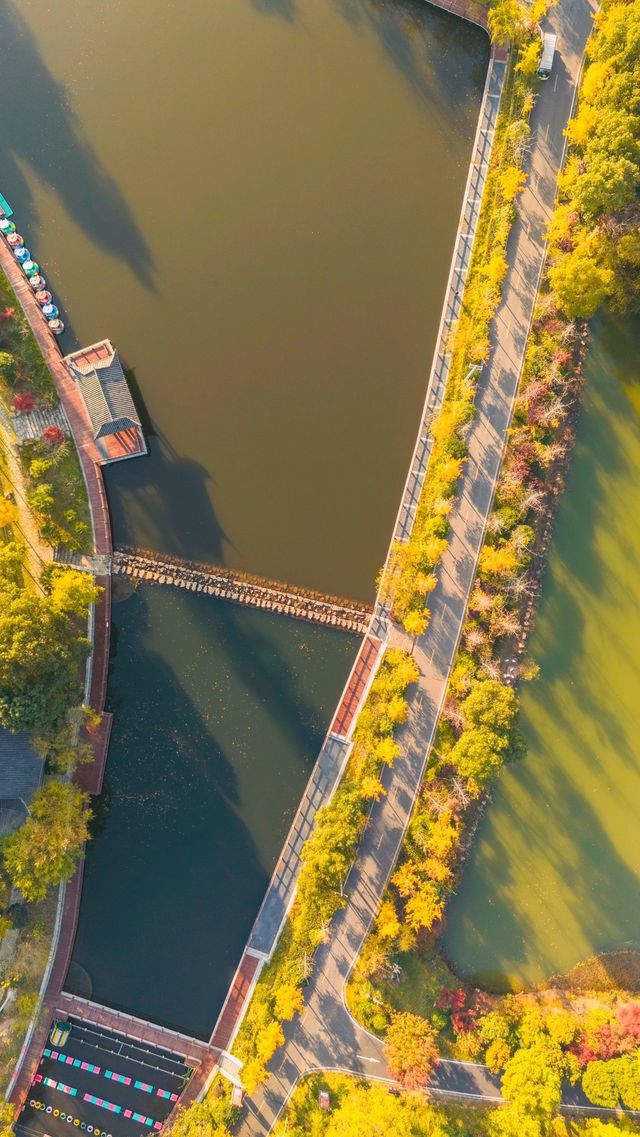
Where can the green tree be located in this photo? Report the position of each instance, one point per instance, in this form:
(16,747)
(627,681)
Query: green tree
(609,184)
(497,1055)
(532,1080)
(371,1112)
(41,499)
(581,282)
(491,704)
(326,858)
(600,1083)
(7,1112)
(511,1122)
(45,850)
(506,20)
(201,1120)
(7,365)
(40,657)
(628,1079)
(72,592)
(479,754)
(411,1050)
(11,562)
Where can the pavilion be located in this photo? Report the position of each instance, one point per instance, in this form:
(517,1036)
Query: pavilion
(101,381)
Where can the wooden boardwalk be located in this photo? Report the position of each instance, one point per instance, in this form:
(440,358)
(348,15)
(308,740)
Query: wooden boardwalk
(241,588)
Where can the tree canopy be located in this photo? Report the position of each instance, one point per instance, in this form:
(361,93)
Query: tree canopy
(41,652)
(45,850)
(411,1050)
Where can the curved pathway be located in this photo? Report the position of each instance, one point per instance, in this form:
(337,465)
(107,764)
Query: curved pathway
(325,1036)
(89,776)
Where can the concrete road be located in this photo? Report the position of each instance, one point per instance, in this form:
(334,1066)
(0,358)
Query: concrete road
(325,1036)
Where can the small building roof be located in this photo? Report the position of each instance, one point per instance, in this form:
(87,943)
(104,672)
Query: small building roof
(98,372)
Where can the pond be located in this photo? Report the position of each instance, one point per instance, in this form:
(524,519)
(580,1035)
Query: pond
(220,712)
(553,877)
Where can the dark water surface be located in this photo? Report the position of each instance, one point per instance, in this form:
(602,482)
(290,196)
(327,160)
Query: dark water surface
(256,201)
(219,715)
(554,874)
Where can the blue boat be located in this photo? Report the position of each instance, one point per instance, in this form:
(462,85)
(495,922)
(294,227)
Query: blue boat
(5,207)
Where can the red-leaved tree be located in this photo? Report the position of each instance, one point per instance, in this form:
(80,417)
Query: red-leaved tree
(629,1019)
(52,435)
(411,1050)
(24,402)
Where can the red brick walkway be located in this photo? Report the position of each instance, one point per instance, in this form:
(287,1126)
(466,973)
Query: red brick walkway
(366,661)
(190,1048)
(235,1001)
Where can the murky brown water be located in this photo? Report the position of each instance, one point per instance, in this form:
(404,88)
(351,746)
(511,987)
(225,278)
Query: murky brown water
(256,201)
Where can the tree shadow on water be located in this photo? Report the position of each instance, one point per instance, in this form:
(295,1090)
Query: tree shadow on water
(285,9)
(39,129)
(406,29)
(163,502)
(260,665)
(173,877)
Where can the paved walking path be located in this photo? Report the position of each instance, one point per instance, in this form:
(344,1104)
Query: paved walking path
(90,775)
(38,554)
(325,1036)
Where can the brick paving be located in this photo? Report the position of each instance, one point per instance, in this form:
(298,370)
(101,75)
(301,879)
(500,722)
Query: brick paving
(356,685)
(191,1049)
(235,1001)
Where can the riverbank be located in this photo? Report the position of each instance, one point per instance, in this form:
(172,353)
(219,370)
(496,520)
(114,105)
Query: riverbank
(325,1034)
(338,745)
(503,930)
(89,776)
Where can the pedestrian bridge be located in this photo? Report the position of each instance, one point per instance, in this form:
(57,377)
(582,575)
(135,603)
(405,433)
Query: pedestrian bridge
(242,588)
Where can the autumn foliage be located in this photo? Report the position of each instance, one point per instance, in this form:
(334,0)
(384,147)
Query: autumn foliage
(24,402)
(411,1050)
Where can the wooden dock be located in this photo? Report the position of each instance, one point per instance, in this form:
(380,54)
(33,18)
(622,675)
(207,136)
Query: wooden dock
(242,588)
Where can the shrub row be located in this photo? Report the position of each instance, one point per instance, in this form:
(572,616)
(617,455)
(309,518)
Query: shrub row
(409,576)
(326,859)
(595,234)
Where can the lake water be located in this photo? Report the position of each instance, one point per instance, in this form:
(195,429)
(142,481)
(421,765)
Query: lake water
(553,877)
(256,201)
(220,712)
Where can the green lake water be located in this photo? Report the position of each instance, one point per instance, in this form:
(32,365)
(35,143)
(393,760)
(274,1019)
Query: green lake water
(219,715)
(555,871)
